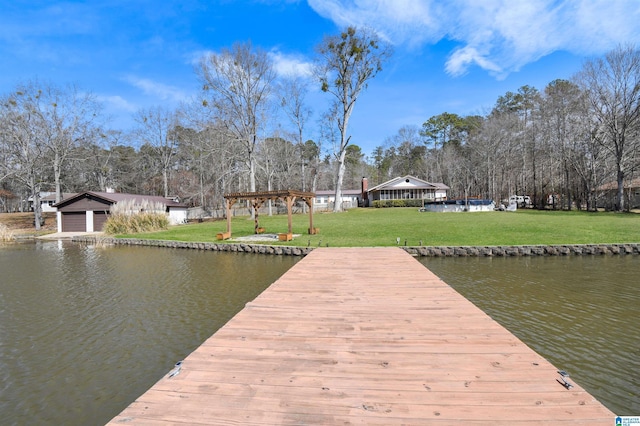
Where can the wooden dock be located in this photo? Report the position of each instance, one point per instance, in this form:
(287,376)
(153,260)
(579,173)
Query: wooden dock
(363,336)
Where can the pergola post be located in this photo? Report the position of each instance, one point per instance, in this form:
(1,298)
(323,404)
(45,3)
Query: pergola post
(309,202)
(228,203)
(290,201)
(228,214)
(256,203)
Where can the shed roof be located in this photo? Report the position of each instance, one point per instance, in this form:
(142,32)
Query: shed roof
(115,197)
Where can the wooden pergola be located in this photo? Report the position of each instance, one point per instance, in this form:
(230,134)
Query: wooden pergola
(257,199)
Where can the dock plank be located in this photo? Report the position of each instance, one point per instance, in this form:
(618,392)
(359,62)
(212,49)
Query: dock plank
(363,336)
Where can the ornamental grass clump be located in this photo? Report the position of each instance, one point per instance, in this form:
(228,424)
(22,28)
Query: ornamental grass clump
(5,233)
(132,217)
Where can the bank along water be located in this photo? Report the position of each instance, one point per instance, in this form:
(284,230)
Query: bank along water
(420,251)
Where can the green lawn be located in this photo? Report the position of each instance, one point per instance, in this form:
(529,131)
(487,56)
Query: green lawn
(381,227)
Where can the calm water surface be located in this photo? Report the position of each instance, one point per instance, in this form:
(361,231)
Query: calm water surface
(85,330)
(579,312)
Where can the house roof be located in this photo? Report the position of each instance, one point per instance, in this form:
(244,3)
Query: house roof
(408,182)
(628,184)
(52,196)
(115,197)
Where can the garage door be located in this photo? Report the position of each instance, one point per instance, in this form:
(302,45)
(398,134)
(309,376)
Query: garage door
(99,218)
(74,222)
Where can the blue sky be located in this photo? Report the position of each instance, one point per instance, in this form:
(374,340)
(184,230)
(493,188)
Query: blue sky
(456,56)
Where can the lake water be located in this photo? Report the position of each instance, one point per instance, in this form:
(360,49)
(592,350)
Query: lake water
(579,312)
(85,330)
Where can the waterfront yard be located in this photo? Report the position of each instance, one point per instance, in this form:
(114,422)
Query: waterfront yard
(389,227)
(23,223)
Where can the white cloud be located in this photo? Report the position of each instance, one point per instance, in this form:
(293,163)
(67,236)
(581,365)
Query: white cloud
(397,21)
(60,19)
(118,103)
(461,58)
(194,58)
(289,65)
(284,64)
(499,36)
(162,91)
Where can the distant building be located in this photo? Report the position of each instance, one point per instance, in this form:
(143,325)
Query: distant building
(400,188)
(88,211)
(406,188)
(49,199)
(608,194)
(325,200)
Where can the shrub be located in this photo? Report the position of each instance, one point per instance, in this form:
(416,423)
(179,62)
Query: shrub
(397,203)
(130,217)
(5,233)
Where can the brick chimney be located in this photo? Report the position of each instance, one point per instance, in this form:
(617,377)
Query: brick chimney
(364,194)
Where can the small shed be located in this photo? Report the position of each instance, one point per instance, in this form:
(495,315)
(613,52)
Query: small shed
(88,211)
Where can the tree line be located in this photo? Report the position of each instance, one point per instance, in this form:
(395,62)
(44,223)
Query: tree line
(249,129)
(559,145)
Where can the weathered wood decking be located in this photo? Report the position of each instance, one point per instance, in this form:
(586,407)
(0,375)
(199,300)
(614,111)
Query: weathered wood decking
(363,336)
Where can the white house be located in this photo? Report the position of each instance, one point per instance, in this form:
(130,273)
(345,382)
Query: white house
(48,199)
(406,188)
(325,200)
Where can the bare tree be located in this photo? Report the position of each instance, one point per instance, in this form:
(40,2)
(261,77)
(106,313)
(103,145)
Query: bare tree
(278,164)
(347,62)
(103,157)
(70,117)
(206,153)
(293,92)
(588,158)
(238,84)
(613,87)
(6,169)
(439,132)
(486,147)
(23,132)
(157,129)
(562,125)
(311,157)
(47,124)
(405,154)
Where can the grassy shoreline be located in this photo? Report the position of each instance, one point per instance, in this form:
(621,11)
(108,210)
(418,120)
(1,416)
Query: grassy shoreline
(22,224)
(383,227)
